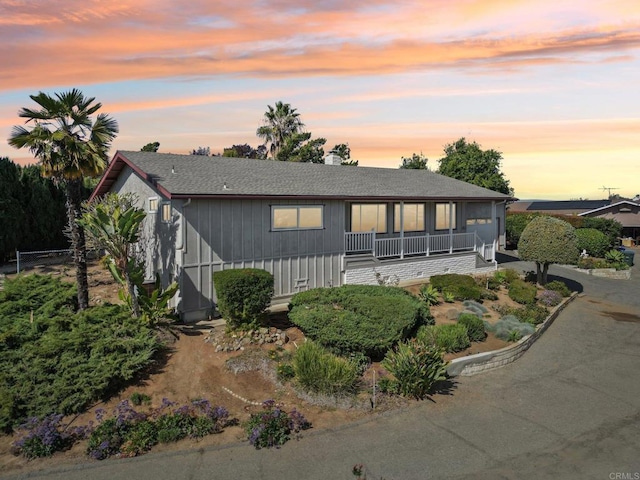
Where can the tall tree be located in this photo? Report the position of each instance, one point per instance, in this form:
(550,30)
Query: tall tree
(69,144)
(468,162)
(344,152)
(415,162)
(203,151)
(279,124)
(245,151)
(11,208)
(299,147)
(151,147)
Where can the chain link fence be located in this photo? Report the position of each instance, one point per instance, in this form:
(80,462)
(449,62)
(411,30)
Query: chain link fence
(42,258)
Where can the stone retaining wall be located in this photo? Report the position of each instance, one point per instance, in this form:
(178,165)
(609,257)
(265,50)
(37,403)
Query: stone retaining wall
(481,362)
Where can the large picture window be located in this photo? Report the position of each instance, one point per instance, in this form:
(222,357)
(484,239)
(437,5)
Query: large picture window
(369,216)
(296,217)
(412,217)
(445,216)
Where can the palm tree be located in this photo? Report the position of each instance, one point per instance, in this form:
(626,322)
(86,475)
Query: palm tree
(280,123)
(70,145)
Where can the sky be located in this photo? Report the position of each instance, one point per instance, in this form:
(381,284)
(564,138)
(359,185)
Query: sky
(552,84)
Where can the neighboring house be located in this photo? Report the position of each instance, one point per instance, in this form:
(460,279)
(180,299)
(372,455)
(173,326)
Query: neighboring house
(309,225)
(626,212)
(557,207)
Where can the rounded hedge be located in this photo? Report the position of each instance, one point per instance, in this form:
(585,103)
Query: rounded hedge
(593,241)
(358,318)
(243,294)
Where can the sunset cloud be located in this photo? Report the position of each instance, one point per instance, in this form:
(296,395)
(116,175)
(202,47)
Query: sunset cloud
(550,83)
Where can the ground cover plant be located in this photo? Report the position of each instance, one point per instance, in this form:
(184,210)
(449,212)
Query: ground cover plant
(510,328)
(475,326)
(56,360)
(361,319)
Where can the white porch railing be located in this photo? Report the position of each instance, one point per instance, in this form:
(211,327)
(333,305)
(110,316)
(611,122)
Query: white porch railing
(365,242)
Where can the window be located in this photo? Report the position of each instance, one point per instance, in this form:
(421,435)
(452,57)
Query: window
(294,217)
(412,217)
(166,212)
(445,216)
(369,216)
(153,204)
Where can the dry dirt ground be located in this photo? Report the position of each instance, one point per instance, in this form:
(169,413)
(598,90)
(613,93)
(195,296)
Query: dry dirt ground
(191,369)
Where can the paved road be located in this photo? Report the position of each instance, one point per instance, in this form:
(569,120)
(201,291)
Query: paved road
(569,408)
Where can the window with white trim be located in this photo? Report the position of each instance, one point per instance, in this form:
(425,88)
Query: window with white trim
(412,217)
(369,216)
(166,212)
(296,217)
(152,206)
(445,216)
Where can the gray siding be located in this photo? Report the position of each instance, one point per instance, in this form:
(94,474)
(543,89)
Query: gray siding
(226,233)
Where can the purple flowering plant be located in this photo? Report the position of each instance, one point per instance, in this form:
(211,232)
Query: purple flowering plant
(42,437)
(273,427)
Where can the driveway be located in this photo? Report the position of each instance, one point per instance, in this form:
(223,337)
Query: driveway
(569,408)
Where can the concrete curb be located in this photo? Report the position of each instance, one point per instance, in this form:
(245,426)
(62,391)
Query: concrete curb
(482,362)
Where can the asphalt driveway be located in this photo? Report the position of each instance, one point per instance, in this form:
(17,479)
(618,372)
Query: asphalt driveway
(569,408)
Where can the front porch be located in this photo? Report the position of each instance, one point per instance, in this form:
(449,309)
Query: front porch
(416,246)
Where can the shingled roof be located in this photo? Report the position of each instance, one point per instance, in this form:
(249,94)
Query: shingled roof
(184,176)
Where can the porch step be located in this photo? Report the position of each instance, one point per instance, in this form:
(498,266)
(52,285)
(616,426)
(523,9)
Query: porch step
(482,263)
(360,260)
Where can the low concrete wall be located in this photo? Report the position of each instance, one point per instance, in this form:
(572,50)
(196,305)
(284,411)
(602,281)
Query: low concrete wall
(481,362)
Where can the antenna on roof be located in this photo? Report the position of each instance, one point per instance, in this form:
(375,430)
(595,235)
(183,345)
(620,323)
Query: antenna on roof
(609,189)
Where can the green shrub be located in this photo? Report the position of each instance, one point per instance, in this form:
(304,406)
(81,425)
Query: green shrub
(510,275)
(451,337)
(416,368)
(560,287)
(462,287)
(429,295)
(58,360)
(358,318)
(139,439)
(522,292)
(243,295)
(509,328)
(593,241)
(285,371)
(319,371)
(138,398)
(616,260)
(590,263)
(611,228)
(273,426)
(448,297)
(42,437)
(475,326)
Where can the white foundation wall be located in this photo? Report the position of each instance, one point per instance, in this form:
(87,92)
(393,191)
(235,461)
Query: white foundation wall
(414,269)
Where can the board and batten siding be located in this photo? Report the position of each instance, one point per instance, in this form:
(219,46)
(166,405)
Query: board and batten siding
(236,233)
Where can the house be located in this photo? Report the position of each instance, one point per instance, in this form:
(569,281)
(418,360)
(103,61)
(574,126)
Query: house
(626,212)
(556,207)
(310,225)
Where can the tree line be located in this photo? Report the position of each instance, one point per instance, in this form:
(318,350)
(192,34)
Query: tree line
(32,210)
